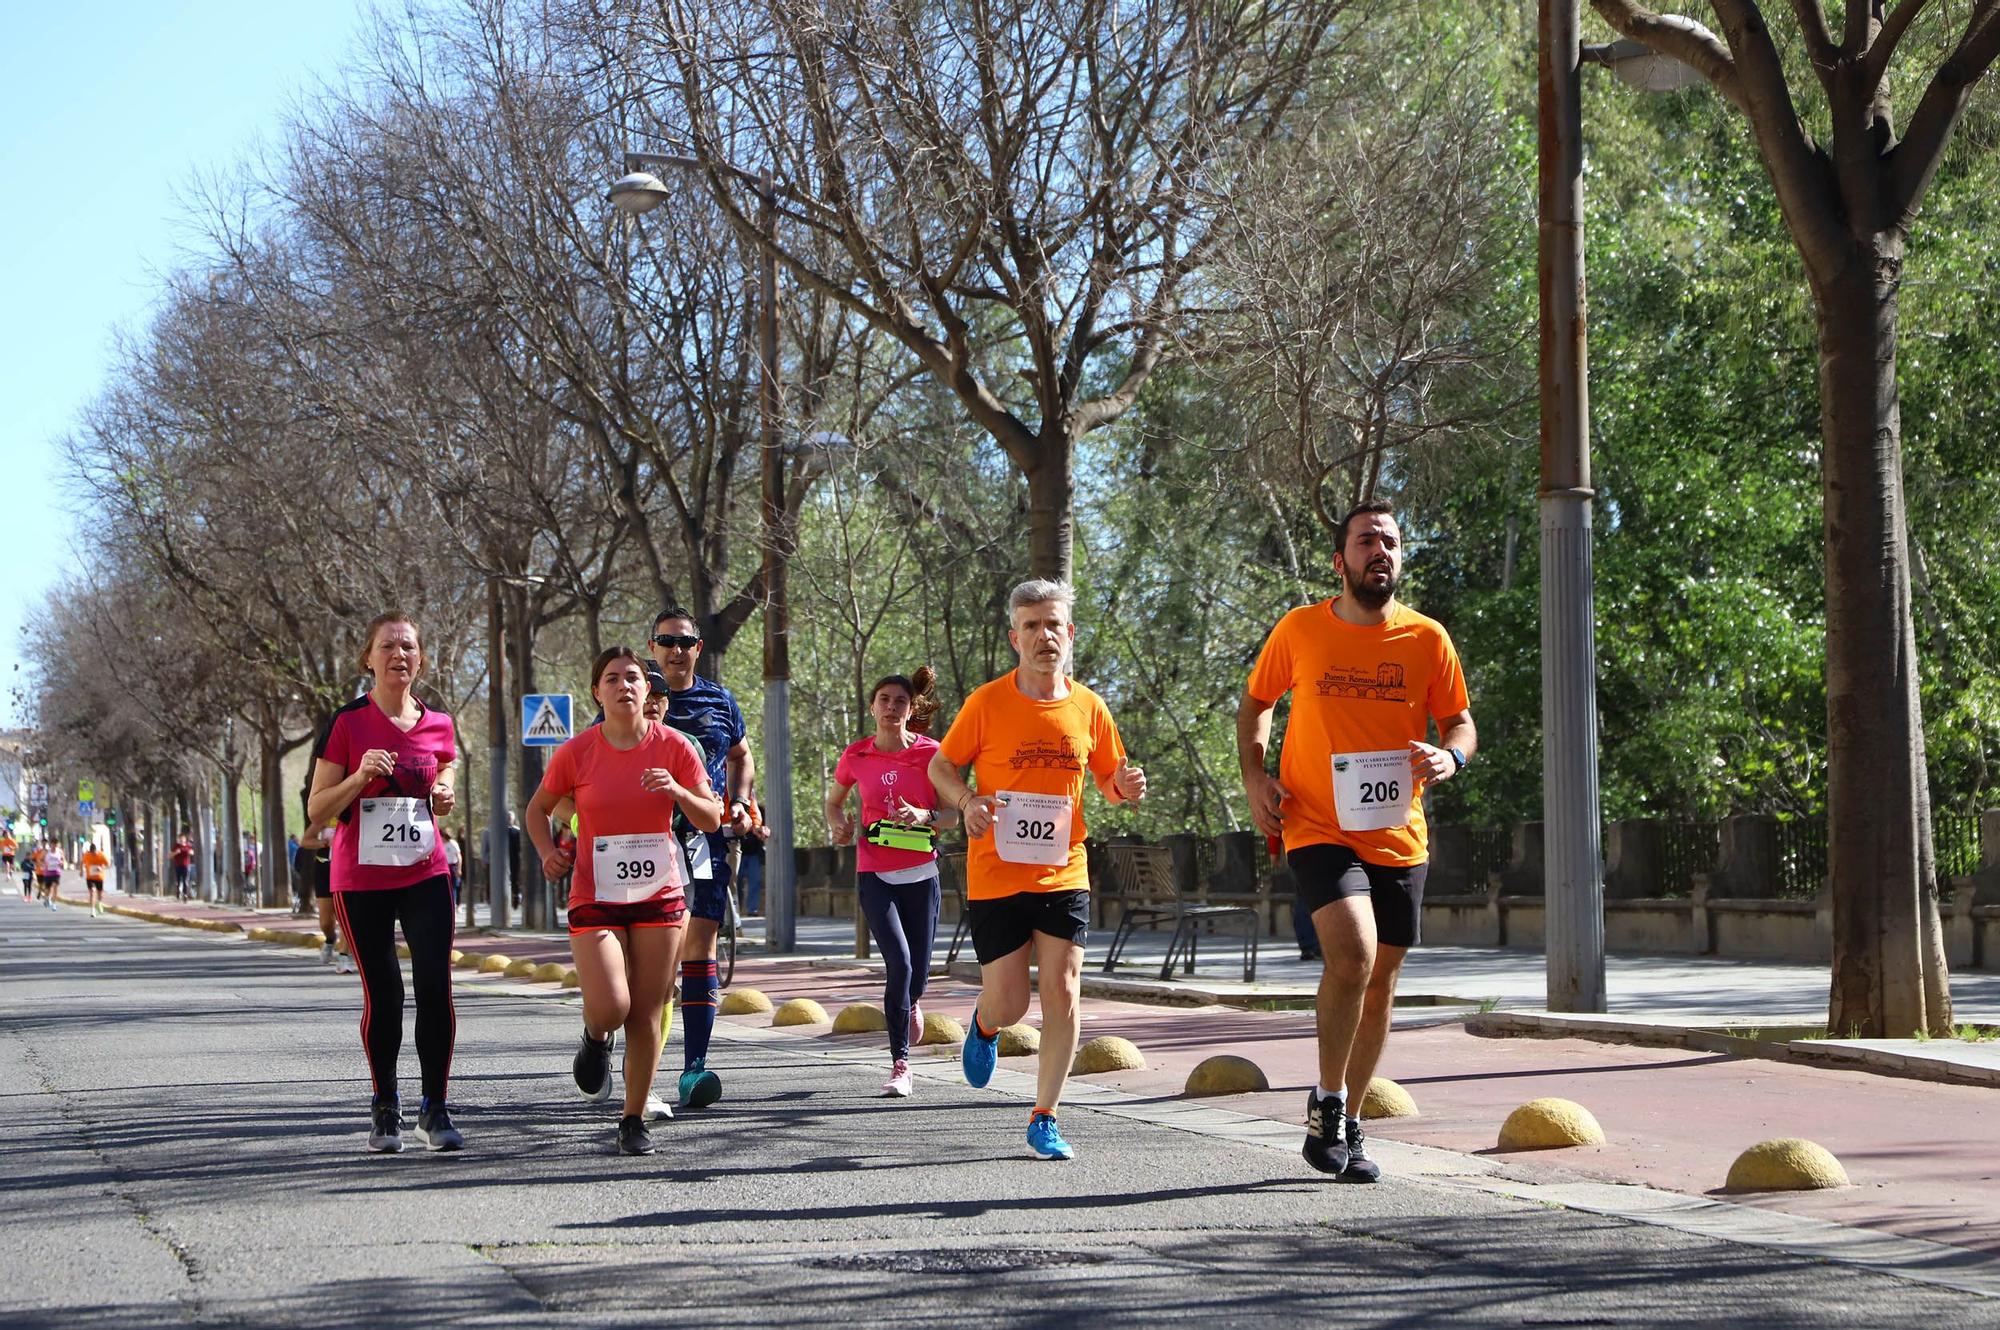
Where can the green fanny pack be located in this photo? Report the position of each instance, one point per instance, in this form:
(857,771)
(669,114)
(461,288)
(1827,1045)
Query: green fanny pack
(901,836)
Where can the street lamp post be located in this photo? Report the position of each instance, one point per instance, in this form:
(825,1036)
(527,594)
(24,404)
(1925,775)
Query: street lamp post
(1574,886)
(637,192)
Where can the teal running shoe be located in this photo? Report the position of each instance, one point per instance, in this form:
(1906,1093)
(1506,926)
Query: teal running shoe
(700,1087)
(979,1055)
(1046,1140)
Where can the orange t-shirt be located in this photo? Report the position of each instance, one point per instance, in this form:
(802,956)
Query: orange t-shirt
(610,804)
(8,845)
(1039,751)
(95,862)
(1355,690)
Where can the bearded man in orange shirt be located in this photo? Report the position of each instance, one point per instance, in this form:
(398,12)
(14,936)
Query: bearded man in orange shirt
(1367,676)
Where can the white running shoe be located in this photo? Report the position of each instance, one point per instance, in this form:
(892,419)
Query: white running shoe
(657,1109)
(345,966)
(326,953)
(899,1084)
(916,1023)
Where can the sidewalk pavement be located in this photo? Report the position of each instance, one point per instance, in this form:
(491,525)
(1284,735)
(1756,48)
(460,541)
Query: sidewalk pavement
(1922,1157)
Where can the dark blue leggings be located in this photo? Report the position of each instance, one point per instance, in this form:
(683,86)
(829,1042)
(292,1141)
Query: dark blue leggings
(903,919)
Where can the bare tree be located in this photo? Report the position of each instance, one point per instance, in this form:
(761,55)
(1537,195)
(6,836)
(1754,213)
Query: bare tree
(1007,190)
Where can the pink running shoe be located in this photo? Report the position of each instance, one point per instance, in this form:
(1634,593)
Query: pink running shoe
(898,1086)
(916,1024)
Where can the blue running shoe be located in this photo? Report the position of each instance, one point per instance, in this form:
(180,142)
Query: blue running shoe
(700,1087)
(979,1055)
(1046,1140)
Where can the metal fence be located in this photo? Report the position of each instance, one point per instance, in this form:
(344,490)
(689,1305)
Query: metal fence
(1955,838)
(1801,857)
(1687,848)
(1491,849)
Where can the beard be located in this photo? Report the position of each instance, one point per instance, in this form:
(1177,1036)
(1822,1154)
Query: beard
(1367,593)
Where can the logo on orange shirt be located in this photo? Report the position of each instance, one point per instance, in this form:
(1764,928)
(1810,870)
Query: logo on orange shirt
(1385,685)
(1060,756)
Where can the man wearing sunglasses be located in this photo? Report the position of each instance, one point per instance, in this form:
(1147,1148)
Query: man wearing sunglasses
(707,711)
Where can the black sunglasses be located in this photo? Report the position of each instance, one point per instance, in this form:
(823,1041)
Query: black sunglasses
(676,640)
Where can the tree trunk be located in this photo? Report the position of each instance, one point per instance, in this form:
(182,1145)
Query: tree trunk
(535,912)
(204,842)
(1051,510)
(232,836)
(273,871)
(1888,979)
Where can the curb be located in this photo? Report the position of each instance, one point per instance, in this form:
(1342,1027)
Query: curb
(1839,1054)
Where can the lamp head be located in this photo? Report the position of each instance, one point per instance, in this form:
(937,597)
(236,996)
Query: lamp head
(637,193)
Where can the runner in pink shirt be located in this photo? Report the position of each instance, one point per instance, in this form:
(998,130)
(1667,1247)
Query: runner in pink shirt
(628,880)
(382,777)
(896,860)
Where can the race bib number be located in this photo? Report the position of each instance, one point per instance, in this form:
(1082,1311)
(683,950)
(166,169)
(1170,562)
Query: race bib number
(1371,791)
(396,833)
(1032,828)
(701,866)
(626,869)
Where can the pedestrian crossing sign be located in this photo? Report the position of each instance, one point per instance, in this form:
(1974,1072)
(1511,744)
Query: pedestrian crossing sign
(545,719)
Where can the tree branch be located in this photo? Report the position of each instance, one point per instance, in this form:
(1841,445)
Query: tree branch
(1676,38)
(1914,161)
(1875,64)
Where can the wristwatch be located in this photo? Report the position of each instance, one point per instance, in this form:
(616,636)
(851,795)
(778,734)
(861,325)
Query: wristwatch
(1458,759)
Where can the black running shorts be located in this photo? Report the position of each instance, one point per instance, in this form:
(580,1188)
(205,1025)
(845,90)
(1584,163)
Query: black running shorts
(1002,926)
(1326,873)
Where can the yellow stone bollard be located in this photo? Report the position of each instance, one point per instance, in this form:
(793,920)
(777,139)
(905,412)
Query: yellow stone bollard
(1549,1124)
(1019,1041)
(550,972)
(860,1018)
(941,1029)
(1786,1164)
(1225,1073)
(1386,1099)
(744,1002)
(495,963)
(1107,1052)
(800,1011)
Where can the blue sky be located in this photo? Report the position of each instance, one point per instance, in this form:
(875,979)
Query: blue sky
(149,96)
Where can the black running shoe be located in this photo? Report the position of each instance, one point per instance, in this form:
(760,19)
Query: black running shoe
(633,1136)
(385,1131)
(592,1068)
(1360,1168)
(1326,1140)
(434,1126)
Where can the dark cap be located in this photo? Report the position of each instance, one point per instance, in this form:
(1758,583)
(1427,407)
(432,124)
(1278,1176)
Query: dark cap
(656,681)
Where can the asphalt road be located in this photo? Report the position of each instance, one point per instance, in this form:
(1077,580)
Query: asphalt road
(186,1117)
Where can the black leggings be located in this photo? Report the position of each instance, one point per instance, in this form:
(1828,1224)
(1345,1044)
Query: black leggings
(369,919)
(903,917)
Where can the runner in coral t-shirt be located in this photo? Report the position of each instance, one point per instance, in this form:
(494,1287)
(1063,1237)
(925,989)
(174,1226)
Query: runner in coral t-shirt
(628,879)
(1029,737)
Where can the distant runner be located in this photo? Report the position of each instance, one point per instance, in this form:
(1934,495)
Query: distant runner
(96,867)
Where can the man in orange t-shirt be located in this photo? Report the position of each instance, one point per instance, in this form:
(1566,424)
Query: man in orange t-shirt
(1367,675)
(96,866)
(1029,736)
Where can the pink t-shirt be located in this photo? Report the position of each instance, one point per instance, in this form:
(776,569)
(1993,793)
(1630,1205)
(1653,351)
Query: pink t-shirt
(618,823)
(878,775)
(391,815)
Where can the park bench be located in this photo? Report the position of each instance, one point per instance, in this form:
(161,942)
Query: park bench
(1141,881)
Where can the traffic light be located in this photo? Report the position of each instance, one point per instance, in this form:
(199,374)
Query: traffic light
(110,817)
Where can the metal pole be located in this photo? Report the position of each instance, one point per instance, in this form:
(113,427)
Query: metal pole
(780,876)
(1574,883)
(498,884)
